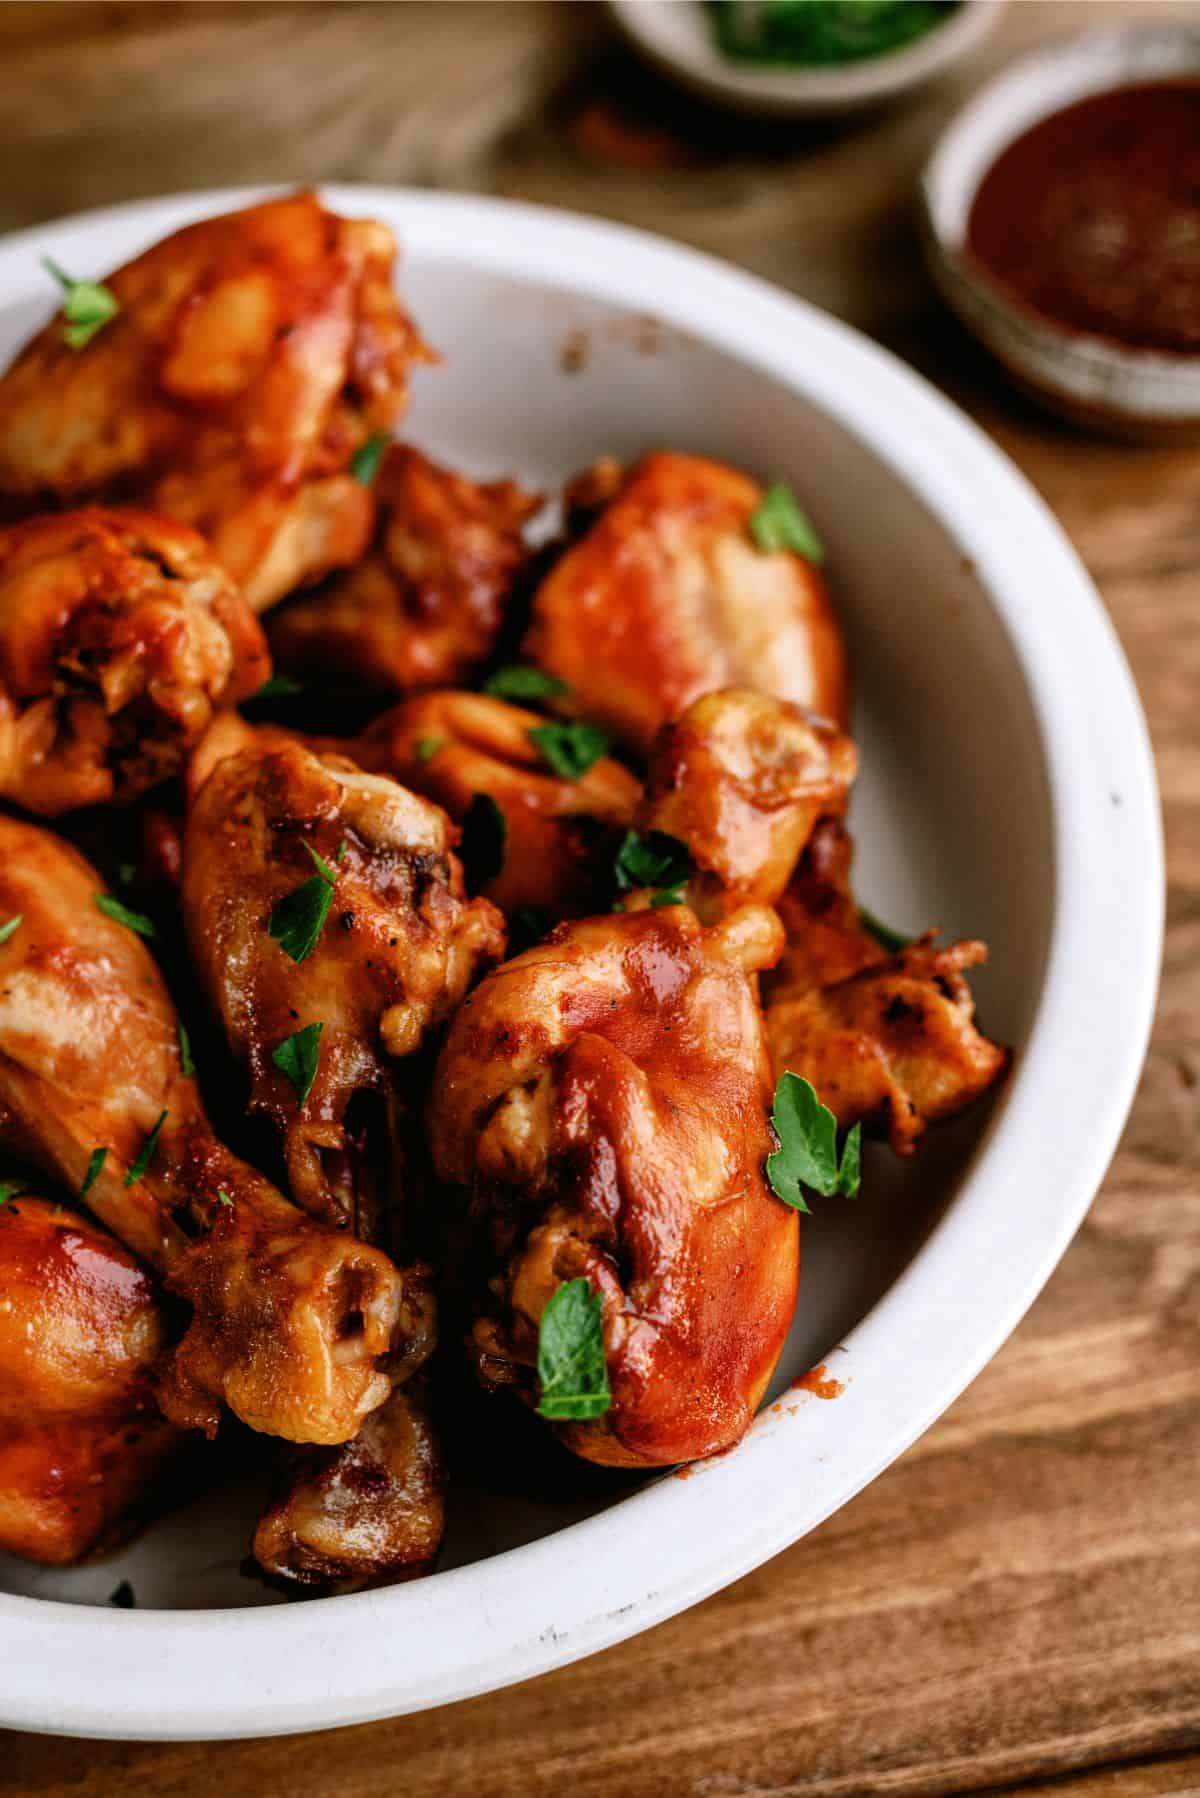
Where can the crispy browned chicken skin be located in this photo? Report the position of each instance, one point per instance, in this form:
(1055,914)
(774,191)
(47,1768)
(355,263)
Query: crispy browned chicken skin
(120,637)
(886,1039)
(742,779)
(251,356)
(559,834)
(666,597)
(83,1445)
(296,1328)
(426,604)
(604,1098)
(400,947)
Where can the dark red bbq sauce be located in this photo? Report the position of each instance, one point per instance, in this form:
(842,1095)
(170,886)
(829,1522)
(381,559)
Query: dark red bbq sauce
(1092,218)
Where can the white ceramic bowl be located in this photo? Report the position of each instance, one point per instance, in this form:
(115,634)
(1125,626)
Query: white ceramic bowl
(675,35)
(1007,790)
(1145,394)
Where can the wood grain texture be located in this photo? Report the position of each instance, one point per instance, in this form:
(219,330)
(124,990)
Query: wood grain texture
(1016,1604)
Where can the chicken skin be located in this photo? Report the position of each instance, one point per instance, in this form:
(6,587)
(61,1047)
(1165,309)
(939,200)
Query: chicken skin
(400,946)
(83,1446)
(299,1330)
(742,779)
(426,605)
(667,596)
(888,1040)
(559,834)
(120,637)
(249,357)
(604,1100)
(370,1511)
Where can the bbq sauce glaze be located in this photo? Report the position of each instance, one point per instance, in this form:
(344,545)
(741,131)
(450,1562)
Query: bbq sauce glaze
(1092,217)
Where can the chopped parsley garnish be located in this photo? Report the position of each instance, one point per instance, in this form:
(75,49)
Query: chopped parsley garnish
(570,749)
(278,686)
(884,935)
(297,1056)
(10,929)
(187,1064)
(821,33)
(779,524)
(95,1163)
(10,1190)
(223,1198)
(572,1371)
(120,914)
(299,917)
(521,682)
(807,1154)
(484,835)
(656,860)
(148,1147)
(122,1597)
(427,747)
(87,307)
(364,464)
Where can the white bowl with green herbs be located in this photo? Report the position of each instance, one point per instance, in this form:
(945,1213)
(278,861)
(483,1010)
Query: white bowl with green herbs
(804,58)
(1007,791)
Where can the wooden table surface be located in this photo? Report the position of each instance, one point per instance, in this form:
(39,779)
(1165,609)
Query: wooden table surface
(1015,1605)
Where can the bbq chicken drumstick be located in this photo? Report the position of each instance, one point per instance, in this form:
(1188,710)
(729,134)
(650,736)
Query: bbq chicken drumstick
(297,1329)
(426,604)
(120,637)
(83,1445)
(667,595)
(247,359)
(603,1100)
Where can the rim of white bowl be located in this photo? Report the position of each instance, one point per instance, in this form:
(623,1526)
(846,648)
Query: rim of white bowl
(92,1671)
(695,58)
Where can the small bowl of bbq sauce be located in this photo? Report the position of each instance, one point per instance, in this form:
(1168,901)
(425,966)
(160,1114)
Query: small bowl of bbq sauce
(1061,219)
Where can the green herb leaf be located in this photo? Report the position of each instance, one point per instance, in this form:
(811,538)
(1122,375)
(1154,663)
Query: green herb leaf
(95,1164)
(277,686)
(884,935)
(530,923)
(88,306)
(120,914)
(656,860)
(571,1367)
(364,464)
(779,524)
(122,1597)
(427,747)
(521,682)
(223,1198)
(484,835)
(821,33)
(299,917)
(187,1065)
(10,1190)
(10,929)
(570,749)
(297,1056)
(807,1153)
(148,1147)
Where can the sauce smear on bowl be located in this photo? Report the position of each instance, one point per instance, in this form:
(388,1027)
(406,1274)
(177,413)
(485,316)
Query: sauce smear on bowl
(1092,217)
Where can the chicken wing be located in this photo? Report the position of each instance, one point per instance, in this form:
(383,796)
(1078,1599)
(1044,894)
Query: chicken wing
(250,356)
(558,834)
(83,1447)
(666,597)
(120,637)
(604,1098)
(886,1039)
(426,605)
(400,947)
(742,779)
(299,1330)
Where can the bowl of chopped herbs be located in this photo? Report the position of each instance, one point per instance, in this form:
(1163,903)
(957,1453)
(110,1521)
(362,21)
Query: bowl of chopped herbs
(804,57)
